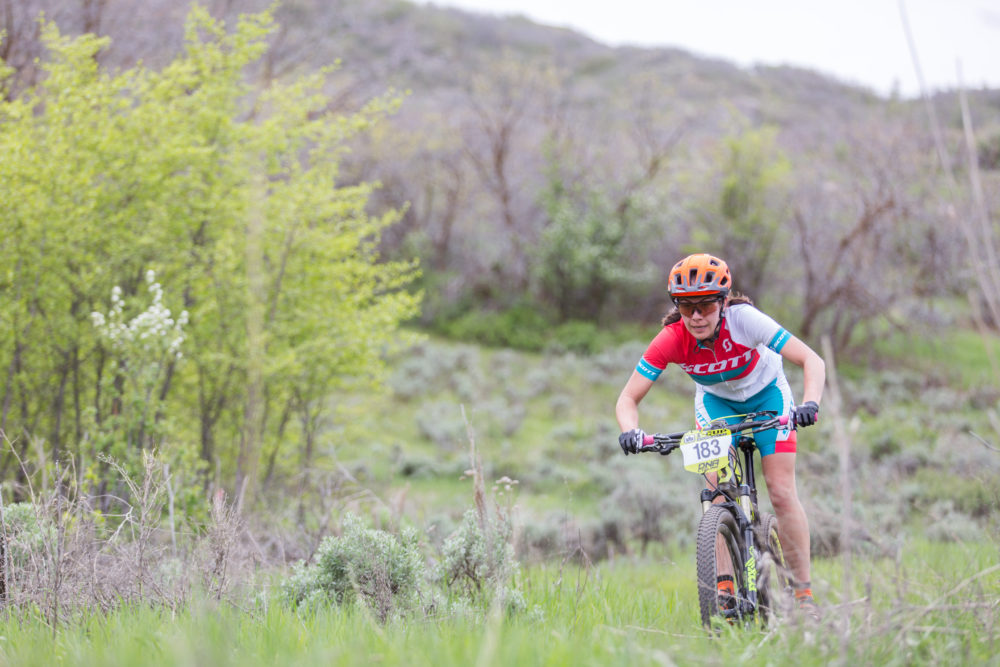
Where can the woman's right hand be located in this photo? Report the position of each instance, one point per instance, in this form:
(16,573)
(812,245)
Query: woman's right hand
(632,441)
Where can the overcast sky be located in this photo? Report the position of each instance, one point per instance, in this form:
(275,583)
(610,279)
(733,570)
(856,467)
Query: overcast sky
(857,41)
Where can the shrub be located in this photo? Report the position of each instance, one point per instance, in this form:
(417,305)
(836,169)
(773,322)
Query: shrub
(25,533)
(656,506)
(420,467)
(867,524)
(500,417)
(427,368)
(948,523)
(415,375)
(373,567)
(560,534)
(478,560)
(522,327)
(441,422)
(965,493)
(580,336)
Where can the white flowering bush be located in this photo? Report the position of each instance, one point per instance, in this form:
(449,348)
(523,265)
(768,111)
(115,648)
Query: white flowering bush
(154,332)
(140,352)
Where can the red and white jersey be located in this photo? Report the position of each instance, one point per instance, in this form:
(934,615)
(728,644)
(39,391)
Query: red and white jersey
(743,359)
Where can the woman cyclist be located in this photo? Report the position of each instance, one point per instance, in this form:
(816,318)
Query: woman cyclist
(733,352)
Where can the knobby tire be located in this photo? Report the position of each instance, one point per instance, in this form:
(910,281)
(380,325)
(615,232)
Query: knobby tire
(717,521)
(773,576)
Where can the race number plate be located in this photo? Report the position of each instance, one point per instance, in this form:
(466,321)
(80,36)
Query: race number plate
(706,451)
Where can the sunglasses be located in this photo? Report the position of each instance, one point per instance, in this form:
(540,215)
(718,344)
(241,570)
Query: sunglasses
(704,306)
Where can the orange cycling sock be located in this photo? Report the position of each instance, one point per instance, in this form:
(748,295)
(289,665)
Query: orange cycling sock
(803,594)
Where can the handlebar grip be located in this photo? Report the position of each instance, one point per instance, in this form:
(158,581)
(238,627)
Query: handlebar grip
(648,440)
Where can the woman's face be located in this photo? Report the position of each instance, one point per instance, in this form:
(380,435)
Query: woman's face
(700,315)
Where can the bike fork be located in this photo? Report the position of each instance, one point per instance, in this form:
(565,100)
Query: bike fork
(751,570)
(750,551)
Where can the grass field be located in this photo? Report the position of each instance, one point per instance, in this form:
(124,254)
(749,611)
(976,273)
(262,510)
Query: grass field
(920,585)
(934,604)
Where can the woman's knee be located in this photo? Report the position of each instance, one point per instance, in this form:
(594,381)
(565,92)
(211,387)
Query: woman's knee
(779,475)
(783,498)
(782,493)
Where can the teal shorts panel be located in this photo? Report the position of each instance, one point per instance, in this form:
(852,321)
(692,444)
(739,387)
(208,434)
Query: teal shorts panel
(776,396)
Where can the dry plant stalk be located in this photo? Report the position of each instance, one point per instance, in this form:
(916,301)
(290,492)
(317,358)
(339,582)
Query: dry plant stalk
(842,441)
(222,541)
(476,471)
(142,518)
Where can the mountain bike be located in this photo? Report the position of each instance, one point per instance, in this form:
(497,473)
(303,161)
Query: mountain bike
(736,541)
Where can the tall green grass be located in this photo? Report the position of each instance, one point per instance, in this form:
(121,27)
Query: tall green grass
(931,603)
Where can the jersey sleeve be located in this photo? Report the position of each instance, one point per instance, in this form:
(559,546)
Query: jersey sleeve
(647,369)
(755,328)
(661,351)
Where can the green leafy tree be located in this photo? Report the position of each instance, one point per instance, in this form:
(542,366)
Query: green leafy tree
(231,193)
(751,207)
(582,255)
(590,250)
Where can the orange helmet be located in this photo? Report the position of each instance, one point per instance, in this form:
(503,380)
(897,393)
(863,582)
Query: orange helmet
(699,275)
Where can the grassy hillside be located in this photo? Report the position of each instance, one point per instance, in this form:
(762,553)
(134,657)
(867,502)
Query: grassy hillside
(915,413)
(916,584)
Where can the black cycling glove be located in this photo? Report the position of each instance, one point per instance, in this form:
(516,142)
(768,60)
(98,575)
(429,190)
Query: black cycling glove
(631,441)
(806,414)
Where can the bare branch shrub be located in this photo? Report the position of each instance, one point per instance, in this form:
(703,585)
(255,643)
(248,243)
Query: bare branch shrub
(220,552)
(133,543)
(64,555)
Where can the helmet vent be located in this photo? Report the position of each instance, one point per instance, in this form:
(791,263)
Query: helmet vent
(710,276)
(692,276)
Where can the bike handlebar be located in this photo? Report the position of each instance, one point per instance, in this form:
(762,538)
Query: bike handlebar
(664,443)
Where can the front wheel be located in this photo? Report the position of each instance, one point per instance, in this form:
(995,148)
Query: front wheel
(719,559)
(774,583)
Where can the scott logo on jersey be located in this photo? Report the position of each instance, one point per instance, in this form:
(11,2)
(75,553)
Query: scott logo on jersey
(719,366)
